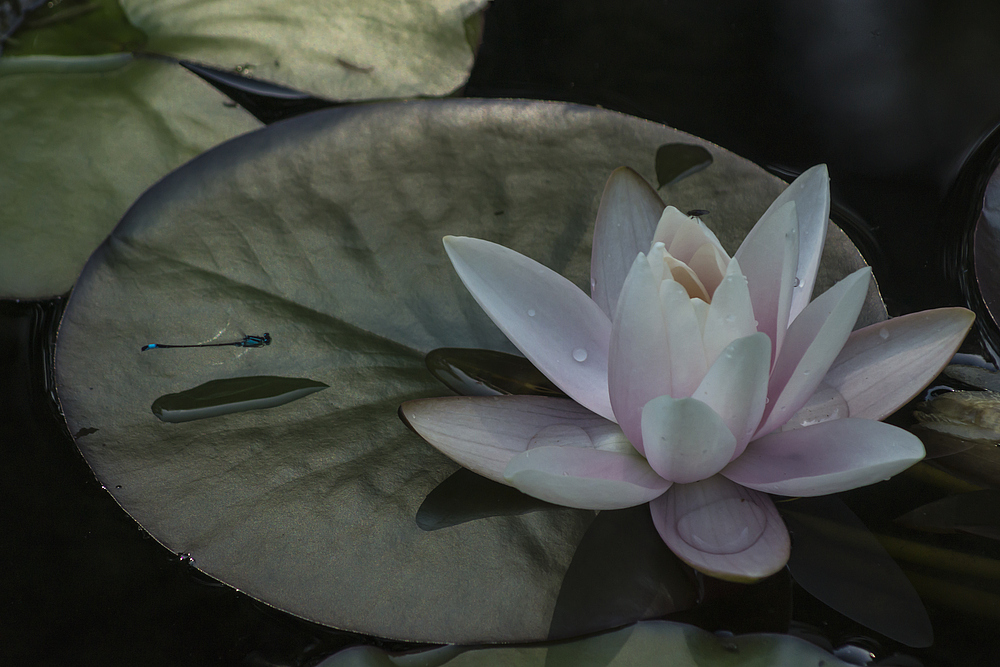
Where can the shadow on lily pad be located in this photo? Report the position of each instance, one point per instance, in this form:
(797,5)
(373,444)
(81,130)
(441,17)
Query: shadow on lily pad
(466,496)
(621,569)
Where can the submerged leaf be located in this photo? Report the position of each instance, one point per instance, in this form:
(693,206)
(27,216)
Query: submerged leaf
(222,397)
(325,230)
(977,512)
(838,560)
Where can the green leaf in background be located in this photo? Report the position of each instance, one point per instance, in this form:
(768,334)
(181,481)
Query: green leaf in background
(325,230)
(340,49)
(646,644)
(84,132)
(75,28)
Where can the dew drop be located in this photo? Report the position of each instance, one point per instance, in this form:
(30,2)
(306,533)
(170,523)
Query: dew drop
(580,354)
(186,558)
(531,312)
(805,372)
(730,318)
(593,284)
(883,333)
(726,526)
(797,282)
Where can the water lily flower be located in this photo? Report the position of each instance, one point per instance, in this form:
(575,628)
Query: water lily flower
(700,382)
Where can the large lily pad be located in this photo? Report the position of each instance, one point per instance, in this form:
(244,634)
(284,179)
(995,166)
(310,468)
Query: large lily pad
(85,127)
(326,232)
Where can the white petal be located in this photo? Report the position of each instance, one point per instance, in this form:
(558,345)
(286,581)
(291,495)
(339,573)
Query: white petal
(730,315)
(585,478)
(687,354)
(722,529)
(885,365)
(557,327)
(811,194)
(483,433)
(639,357)
(735,387)
(813,342)
(825,458)
(670,222)
(768,258)
(629,212)
(685,440)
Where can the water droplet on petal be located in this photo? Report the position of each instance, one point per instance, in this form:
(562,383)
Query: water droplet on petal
(883,333)
(531,312)
(797,282)
(580,354)
(730,318)
(593,284)
(726,526)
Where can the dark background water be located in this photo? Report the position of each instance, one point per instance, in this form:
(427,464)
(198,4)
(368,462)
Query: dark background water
(895,96)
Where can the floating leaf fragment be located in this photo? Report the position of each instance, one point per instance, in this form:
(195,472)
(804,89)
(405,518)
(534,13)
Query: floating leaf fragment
(222,397)
(677,161)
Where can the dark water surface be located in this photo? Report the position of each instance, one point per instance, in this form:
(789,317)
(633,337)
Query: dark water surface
(894,96)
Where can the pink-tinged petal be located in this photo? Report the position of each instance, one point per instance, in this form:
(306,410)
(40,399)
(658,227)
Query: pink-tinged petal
(685,440)
(688,279)
(825,458)
(813,342)
(811,194)
(709,264)
(735,387)
(730,316)
(722,529)
(769,258)
(483,433)
(826,403)
(557,327)
(687,354)
(884,365)
(629,212)
(585,478)
(639,358)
